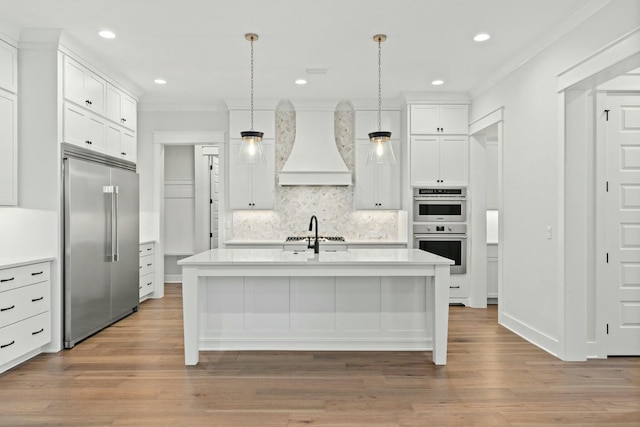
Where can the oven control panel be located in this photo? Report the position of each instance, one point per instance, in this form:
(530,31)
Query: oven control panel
(439,228)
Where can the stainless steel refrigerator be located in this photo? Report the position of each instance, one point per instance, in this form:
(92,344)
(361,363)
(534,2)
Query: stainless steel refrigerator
(101,240)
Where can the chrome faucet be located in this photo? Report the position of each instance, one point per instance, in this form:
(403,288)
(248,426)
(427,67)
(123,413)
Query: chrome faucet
(316,244)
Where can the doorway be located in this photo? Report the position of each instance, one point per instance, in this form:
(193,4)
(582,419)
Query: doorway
(486,207)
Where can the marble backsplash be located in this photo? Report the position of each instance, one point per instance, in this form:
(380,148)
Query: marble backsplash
(334,206)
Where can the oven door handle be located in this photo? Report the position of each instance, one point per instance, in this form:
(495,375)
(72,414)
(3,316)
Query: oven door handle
(439,236)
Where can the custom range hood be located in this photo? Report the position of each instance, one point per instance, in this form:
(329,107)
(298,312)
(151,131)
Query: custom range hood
(314,159)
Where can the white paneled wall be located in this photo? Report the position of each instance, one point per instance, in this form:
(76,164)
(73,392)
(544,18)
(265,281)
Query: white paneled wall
(179,201)
(297,313)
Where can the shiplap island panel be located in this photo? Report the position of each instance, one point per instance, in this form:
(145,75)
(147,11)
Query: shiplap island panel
(360,299)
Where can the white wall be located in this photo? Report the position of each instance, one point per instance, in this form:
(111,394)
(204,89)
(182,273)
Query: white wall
(533,173)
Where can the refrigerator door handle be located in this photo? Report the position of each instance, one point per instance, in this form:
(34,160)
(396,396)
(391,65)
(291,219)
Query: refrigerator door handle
(111,255)
(116,253)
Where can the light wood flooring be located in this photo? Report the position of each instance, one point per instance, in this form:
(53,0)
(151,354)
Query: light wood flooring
(132,374)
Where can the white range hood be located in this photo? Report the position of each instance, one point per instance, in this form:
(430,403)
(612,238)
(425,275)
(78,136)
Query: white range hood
(314,159)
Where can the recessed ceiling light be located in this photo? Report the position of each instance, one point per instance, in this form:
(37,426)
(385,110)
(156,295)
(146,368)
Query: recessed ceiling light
(107,34)
(482,37)
(160,81)
(301,82)
(437,82)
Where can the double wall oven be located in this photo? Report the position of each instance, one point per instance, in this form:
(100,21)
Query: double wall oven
(440,224)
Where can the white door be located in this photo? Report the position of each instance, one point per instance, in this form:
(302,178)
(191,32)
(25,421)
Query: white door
(623,224)
(214,194)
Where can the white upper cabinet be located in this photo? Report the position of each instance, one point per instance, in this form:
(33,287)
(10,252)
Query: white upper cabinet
(84,129)
(439,119)
(367,122)
(8,67)
(8,125)
(84,87)
(97,114)
(252,186)
(121,108)
(439,161)
(120,142)
(377,186)
(263,121)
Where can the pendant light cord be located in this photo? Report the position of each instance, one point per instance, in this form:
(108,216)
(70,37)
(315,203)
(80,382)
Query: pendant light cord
(252,83)
(379,81)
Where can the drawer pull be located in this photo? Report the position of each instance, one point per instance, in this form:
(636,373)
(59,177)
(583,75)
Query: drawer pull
(148,249)
(150,283)
(8,308)
(454,287)
(37,299)
(38,332)
(149,265)
(6,280)
(7,345)
(37,274)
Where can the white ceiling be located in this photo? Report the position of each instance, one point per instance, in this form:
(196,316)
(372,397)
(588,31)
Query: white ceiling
(198,46)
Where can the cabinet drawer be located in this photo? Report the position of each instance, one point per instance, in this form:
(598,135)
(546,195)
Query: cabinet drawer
(11,278)
(458,288)
(146,284)
(21,303)
(146,265)
(22,337)
(146,249)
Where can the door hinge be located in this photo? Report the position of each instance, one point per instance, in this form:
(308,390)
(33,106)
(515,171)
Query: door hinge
(210,167)
(607,329)
(210,235)
(607,186)
(607,257)
(210,201)
(606,112)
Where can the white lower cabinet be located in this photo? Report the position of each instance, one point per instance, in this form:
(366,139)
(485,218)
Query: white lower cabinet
(25,318)
(147,271)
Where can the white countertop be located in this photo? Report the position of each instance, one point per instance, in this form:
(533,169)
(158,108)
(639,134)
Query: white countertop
(356,257)
(234,242)
(10,262)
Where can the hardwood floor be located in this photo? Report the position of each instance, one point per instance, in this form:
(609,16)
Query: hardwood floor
(133,373)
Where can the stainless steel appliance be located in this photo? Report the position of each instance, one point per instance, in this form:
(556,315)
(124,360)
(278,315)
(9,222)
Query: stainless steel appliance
(101,241)
(439,204)
(447,240)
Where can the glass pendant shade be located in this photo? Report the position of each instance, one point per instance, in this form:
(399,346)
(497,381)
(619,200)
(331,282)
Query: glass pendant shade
(251,152)
(380,149)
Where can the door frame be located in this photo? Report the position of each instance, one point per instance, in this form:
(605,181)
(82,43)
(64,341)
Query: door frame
(198,140)
(478,218)
(583,313)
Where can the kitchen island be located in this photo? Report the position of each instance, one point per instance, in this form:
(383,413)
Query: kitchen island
(360,299)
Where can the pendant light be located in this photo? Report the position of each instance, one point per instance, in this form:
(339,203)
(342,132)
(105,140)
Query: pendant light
(380,151)
(251,151)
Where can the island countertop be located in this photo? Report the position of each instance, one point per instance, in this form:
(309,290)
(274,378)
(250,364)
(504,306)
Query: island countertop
(355,257)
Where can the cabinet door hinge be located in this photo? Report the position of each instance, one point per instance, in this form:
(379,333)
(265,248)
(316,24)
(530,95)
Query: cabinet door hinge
(606,112)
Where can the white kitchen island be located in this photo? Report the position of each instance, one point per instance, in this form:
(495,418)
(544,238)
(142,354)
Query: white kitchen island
(360,299)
